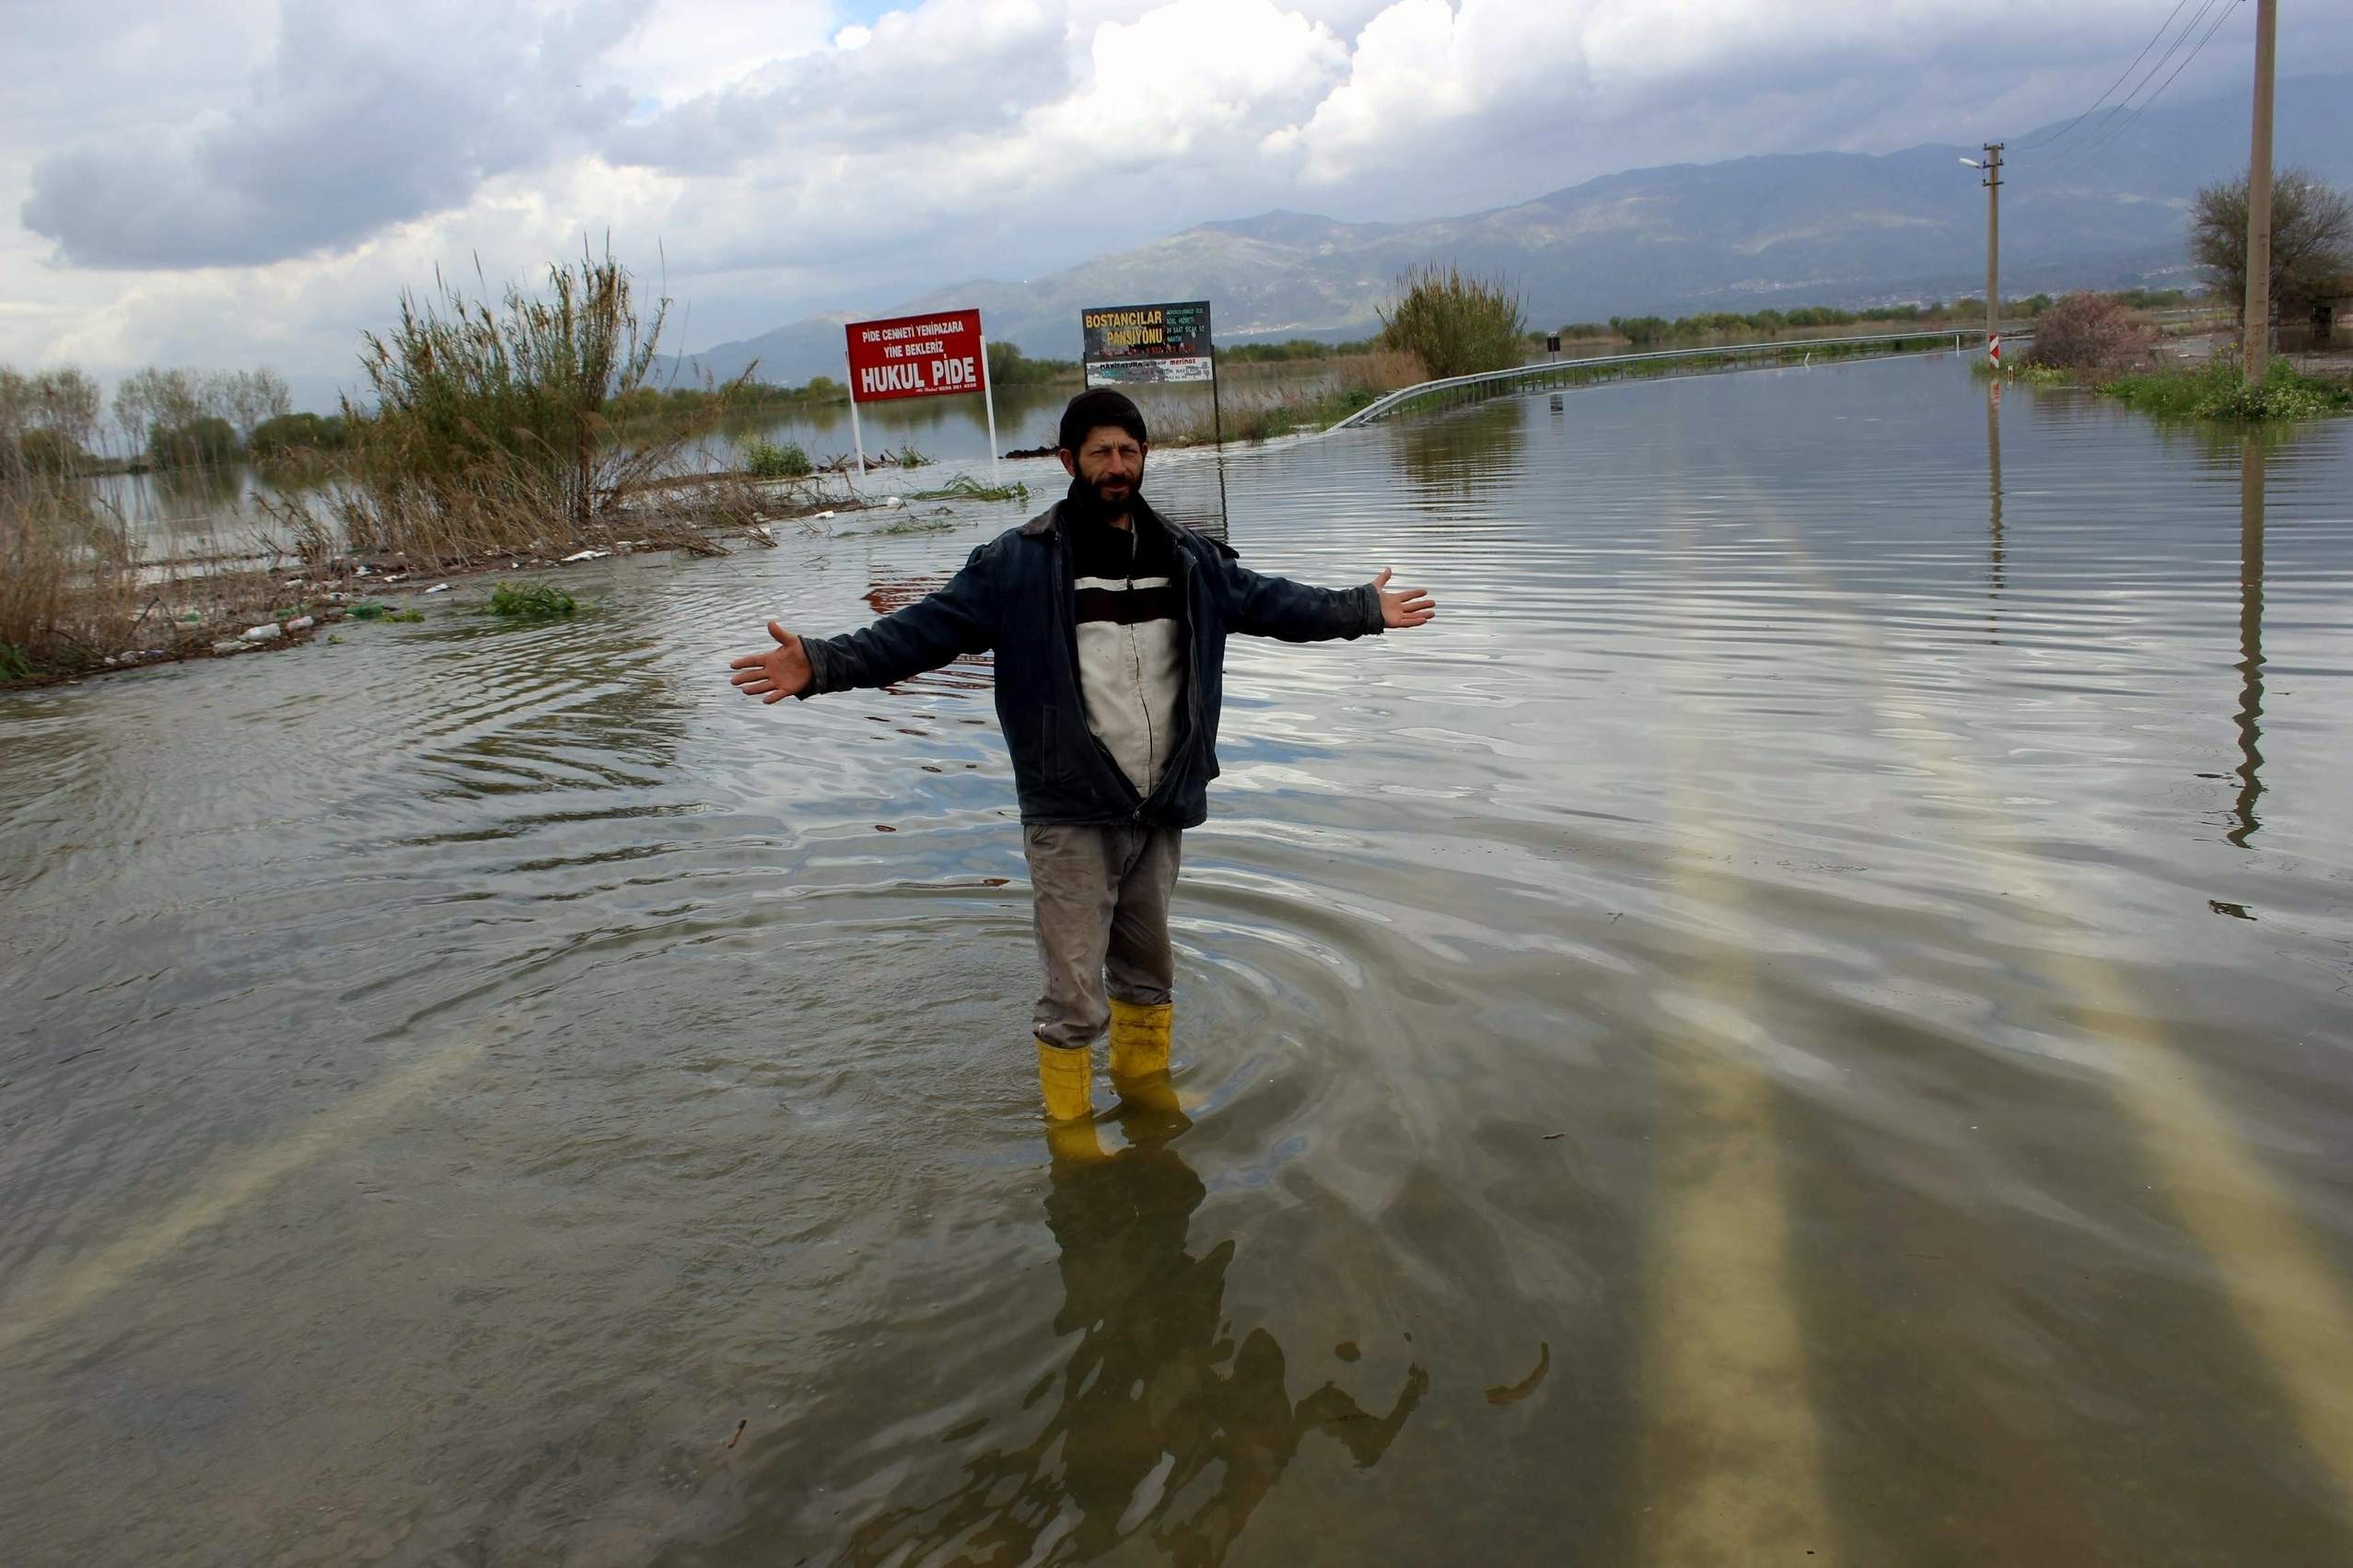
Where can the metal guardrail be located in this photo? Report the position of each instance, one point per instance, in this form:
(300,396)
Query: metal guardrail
(1561,371)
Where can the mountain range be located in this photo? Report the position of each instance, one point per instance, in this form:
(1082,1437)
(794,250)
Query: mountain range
(1786,229)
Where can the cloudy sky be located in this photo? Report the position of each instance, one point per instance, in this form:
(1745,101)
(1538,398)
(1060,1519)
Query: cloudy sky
(234,182)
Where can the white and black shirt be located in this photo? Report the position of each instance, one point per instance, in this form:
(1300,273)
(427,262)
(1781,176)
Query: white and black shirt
(1131,646)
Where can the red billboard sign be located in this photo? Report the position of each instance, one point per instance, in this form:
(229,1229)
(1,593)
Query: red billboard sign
(916,356)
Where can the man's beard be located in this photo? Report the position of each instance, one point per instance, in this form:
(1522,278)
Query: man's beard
(1088,503)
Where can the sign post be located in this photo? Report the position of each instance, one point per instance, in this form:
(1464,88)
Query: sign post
(937,355)
(1129,345)
(856,440)
(989,400)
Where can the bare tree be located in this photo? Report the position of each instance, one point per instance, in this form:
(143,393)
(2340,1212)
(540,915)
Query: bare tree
(2311,238)
(66,401)
(150,400)
(246,398)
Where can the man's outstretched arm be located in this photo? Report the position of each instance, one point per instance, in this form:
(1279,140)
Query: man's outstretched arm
(1295,613)
(924,635)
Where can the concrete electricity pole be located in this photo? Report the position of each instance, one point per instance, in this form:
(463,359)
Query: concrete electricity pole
(1993,183)
(2255,329)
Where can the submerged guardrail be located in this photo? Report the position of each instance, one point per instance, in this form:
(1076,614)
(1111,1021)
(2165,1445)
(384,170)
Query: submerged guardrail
(1668,361)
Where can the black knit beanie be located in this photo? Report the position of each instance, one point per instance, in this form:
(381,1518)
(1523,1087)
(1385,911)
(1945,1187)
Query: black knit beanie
(1098,406)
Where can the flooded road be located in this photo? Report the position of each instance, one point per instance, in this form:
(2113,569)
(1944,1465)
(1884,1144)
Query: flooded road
(1805,1019)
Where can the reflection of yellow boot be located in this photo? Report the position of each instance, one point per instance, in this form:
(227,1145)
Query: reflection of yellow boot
(1141,1055)
(1067,1078)
(1139,1038)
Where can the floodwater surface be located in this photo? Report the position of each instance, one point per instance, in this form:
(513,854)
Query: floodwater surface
(1804,1019)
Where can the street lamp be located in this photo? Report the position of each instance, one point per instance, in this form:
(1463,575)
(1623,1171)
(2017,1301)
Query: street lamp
(1992,166)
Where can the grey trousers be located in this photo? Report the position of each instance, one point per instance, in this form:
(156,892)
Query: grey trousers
(1102,913)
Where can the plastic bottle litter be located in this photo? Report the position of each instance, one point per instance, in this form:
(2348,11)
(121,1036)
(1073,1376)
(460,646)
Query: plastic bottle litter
(587,555)
(438,589)
(231,646)
(299,623)
(268,632)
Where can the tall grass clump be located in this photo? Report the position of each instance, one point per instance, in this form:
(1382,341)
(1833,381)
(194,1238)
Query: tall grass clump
(68,575)
(490,433)
(1455,325)
(68,572)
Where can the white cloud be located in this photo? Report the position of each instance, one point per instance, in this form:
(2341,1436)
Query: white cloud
(264,178)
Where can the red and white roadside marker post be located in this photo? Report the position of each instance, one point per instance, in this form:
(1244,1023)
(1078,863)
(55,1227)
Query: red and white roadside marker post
(942,353)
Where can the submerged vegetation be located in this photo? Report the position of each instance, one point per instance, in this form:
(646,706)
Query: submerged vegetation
(764,458)
(2221,390)
(531,601)
(964,487)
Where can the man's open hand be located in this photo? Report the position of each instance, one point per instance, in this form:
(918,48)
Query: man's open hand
(1404,607)
(782,671)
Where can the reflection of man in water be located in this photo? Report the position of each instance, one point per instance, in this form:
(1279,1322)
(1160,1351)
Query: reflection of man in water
(1165,1425)
(1109,623)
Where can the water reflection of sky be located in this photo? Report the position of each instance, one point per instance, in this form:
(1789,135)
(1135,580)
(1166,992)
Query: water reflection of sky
(1830,950)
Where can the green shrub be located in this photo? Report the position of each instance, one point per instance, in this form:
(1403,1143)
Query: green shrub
(1008,367)
(14,663)
(51,451)
(762,458)
(298,432)
(531,600)
(1457,325)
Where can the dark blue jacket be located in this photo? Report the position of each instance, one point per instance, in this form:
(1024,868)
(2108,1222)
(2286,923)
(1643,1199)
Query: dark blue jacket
(1015,597)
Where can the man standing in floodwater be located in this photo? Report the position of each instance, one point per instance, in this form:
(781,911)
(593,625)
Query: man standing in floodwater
(1109,623)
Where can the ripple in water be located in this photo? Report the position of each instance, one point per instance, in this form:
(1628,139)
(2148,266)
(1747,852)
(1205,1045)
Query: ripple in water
(1818,980)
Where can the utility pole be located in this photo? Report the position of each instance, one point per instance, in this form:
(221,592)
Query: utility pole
(1993,168)
(2254,327)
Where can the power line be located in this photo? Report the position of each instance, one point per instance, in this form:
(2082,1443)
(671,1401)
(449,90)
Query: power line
(2205,9)
(2112,86)
(2099,145)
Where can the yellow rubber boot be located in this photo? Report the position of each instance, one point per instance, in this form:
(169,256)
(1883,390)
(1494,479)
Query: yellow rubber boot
(1067,1079)
(1140,1056)
(1139,1038)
